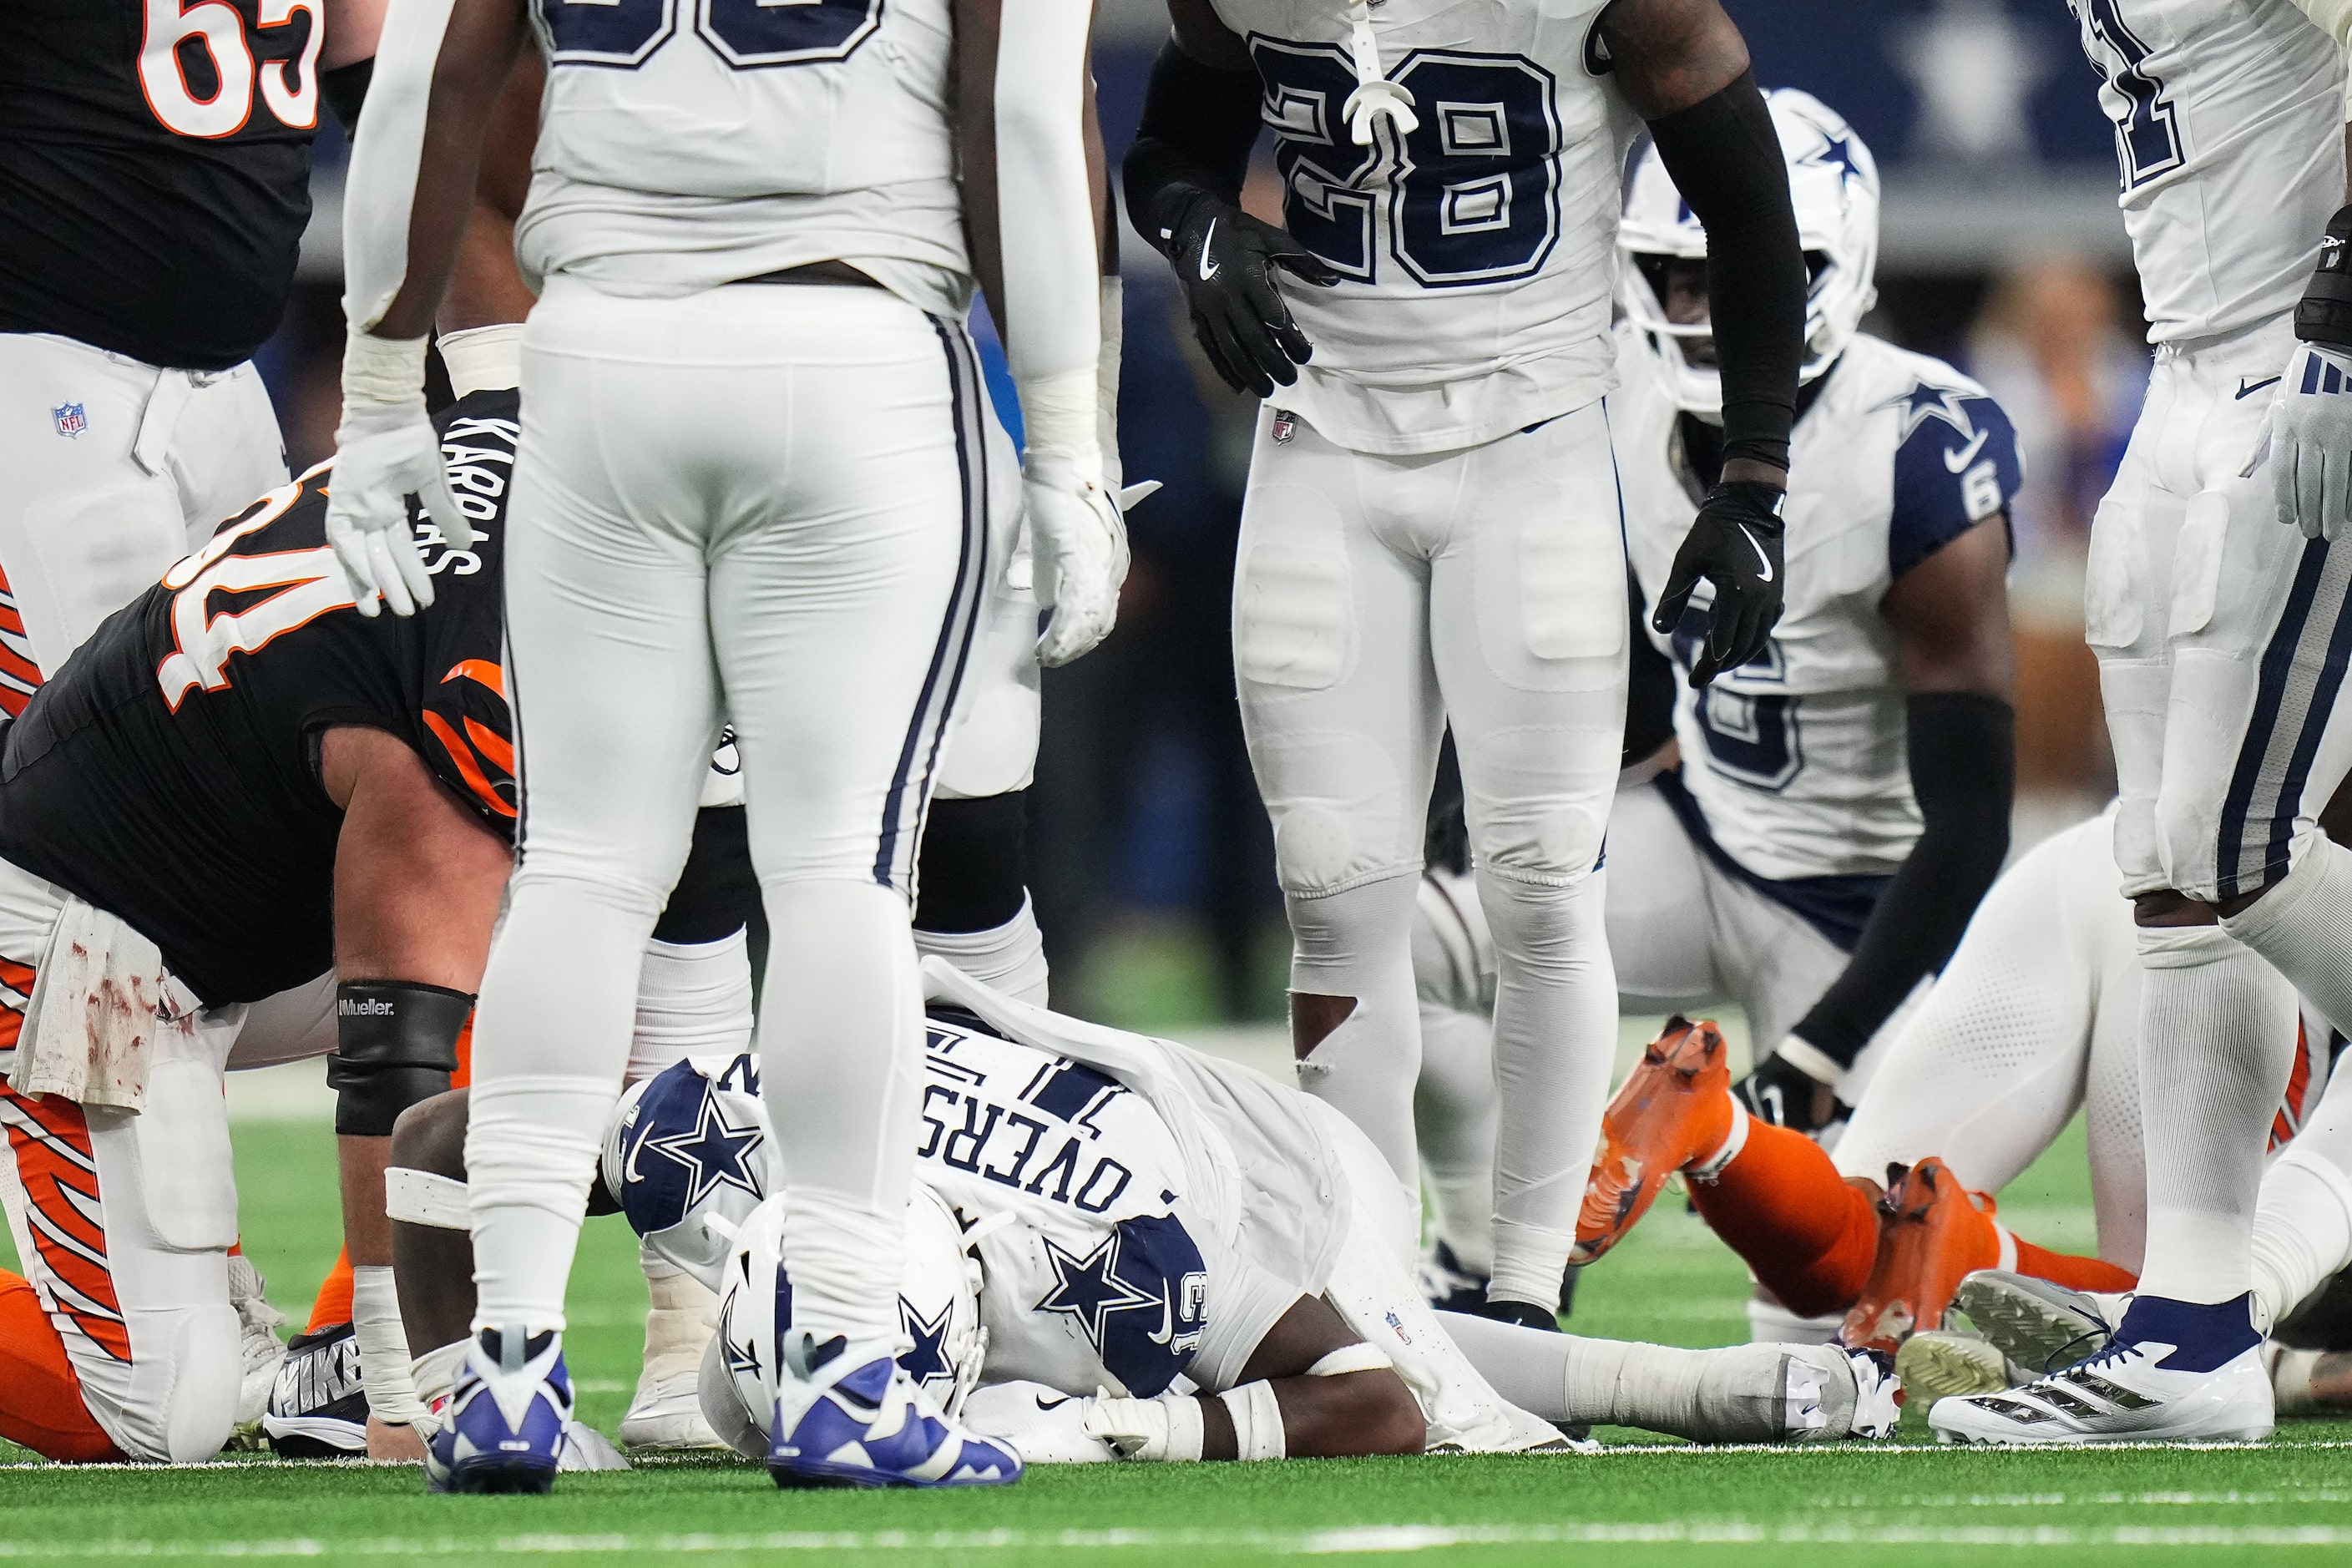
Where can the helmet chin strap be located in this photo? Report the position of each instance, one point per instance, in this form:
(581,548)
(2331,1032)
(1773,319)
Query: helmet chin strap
(1376,97)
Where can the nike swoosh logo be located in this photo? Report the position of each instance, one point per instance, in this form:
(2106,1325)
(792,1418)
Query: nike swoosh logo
(1763,562)
(1167,1323)
(1055,1404)
(1208,269)
(2248,388)
(1955,461)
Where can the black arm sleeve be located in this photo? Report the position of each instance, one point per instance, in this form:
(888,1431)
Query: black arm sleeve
(345,88)
(1964,773)
(1725,158)
(1199,124)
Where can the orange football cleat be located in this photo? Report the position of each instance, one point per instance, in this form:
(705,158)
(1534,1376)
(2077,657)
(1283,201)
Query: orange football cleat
(1675,1112)
(1932,1234)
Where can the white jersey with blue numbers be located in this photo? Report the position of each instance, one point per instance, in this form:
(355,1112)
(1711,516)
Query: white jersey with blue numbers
(1477,252)
(685,145)
(1797,760)
(2229,119)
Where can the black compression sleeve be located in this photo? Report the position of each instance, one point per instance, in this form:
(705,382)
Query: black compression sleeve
(1199,124)
(1963,772)
(1725,158)
(345,88)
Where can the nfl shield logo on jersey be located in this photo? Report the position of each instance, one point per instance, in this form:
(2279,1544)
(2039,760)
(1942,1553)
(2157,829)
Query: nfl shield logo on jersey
(72,420)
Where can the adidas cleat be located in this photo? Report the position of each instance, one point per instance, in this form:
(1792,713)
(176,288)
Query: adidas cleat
(2040,1326)
(2176,1372)
(1675,1113)
(504,1428)
(853,1418)
(1933,1365)
(1932,1232)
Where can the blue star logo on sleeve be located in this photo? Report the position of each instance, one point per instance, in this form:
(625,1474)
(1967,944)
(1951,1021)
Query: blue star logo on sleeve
(714,1152)
(1923,403)
(1090,1289)
(928,1360)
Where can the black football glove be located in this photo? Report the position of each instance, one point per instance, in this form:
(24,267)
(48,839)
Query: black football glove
(1734,543)
(1781,1093)
(1225,261)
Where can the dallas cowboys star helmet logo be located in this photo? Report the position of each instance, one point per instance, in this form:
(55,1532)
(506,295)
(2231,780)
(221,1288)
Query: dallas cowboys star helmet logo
(714,1152)
(926,1363)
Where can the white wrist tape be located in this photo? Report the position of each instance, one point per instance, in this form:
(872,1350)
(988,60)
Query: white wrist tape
(1257,1420)
(483,359)
(422,1197)
(1114,339)
(382,372)
(1358,1357)
(435,1375)
(1813,1061)
(384,1347)
(1060,427)
(1166,1430)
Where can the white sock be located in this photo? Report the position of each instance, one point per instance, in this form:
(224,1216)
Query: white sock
(2303,1225)
(1555,1043)
(1010,957)
(2217,1039)
(2303,926)
(681,1315)
(1358,943)
(550,1039)
(1736,1393)
(1454,1114)
(693,998)
(840,1040)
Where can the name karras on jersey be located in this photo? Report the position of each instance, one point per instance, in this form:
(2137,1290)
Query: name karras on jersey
(479,454)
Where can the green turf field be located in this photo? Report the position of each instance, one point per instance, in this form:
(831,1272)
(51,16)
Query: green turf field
(1647,1502)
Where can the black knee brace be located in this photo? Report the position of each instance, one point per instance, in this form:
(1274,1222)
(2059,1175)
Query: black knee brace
(396,1046)
(973,870)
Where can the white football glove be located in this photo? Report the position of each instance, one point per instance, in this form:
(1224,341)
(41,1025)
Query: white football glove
(2311,441)
(385,451)
(1078,544)
(1045,1425)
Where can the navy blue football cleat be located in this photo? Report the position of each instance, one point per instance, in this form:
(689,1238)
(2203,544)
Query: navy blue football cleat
(503,1430)
(857,1420)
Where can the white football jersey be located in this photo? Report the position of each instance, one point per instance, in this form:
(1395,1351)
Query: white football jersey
(1478,251)
(2228,120)
(683,145)
(1796,761)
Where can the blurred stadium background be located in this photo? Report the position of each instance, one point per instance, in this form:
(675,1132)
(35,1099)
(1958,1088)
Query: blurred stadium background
(2003,251)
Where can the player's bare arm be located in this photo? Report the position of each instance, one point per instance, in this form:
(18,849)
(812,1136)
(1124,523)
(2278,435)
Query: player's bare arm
(1682,67)
(1338,1414)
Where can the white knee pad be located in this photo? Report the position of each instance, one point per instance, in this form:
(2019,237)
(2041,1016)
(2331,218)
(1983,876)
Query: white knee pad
(181,1404)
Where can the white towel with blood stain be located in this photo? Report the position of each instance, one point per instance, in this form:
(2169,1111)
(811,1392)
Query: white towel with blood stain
(102,1000)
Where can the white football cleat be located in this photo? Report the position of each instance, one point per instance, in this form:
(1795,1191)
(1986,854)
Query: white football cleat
(666,1412)
(2040,1326)
(257,1342)
(1939,1363)
(2175,1373)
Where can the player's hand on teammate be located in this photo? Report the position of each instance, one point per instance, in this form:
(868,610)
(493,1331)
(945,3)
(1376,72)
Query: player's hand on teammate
(2311,441)
(1734,543)
(1077,543)
(386,452)
(1226,259)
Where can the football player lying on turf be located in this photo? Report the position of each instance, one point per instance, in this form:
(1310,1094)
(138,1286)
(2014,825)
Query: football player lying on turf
(2034,1018)
(1178,1259)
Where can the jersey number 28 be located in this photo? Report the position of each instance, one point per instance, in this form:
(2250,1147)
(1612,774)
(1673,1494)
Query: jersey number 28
(210,37)
(1473,190)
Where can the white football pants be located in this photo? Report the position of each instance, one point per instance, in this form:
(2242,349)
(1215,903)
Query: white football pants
(1375,599)
(115,470)
(767,501)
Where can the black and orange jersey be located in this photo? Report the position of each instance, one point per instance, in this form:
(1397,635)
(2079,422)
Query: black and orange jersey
(155,171)
(170,772)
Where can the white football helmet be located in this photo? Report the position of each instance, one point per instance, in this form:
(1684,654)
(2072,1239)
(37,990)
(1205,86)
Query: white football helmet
(1833,180)
(942,1342)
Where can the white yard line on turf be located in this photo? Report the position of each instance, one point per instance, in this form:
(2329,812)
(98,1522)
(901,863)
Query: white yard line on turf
(1387,1538)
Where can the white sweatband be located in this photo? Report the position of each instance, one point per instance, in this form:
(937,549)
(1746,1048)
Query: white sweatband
(384,1347)
(1045,218)
(1709,1169)
(424,1197)
(380,182)
(1060,427)
(1257,1420)
(1813,1061)
(1358,1357)
(483,359)
(383,372)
